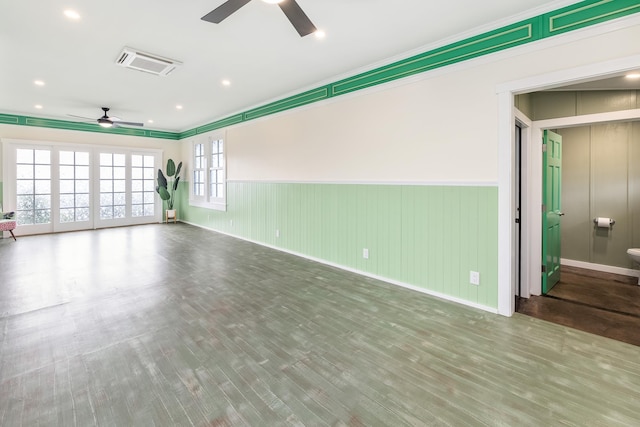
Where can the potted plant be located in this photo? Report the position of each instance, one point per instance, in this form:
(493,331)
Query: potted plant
(167,188)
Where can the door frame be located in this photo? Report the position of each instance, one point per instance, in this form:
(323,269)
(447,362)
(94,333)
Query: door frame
(531,213)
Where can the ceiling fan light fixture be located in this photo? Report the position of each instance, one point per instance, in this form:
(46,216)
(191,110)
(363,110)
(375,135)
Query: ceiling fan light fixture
(105,123)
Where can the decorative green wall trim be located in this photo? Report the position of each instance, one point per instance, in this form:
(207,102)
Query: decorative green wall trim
(573,17)
(587,13)
(493,41)
(274,107)
(84,127)
(219,124)
(569,18)
(426,236)
(288,103)
(10,120)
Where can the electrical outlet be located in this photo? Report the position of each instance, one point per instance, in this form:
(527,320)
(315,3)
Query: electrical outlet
(474,277)
(277,233)
(365,253)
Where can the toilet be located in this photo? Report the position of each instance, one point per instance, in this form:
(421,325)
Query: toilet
(634,254)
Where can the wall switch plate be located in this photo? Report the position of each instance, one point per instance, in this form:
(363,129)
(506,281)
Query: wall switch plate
(277,233)
(365,253)
(474,277)
(231,222)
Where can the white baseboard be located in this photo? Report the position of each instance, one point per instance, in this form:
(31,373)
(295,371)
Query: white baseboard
(600,267)
(360,272)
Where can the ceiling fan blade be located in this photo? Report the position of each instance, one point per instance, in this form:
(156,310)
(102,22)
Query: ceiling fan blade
(81,117)
(120,123)
(223,11)
(298,18)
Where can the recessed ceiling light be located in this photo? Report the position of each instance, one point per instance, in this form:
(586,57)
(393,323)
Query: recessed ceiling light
(72,14)
(226,82)
(633,76)
(38,82)
(178,107)
(149,121)
(319,34)
(38,106)
(273,1)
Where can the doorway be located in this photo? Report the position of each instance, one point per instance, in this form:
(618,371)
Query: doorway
(530,213)
(596,298)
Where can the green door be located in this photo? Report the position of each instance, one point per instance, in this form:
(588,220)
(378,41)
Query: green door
(551,212)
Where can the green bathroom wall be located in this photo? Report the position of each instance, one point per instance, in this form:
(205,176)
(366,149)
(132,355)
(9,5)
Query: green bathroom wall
(429,237)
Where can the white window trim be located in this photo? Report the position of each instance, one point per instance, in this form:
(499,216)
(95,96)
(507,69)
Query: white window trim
(218,203)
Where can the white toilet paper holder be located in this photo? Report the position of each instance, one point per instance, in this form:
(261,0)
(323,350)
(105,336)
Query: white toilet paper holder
(611,221)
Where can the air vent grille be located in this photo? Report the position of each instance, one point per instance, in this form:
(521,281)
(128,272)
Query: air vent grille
(141,61)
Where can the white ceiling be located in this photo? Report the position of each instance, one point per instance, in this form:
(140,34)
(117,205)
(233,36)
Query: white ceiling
(256,48)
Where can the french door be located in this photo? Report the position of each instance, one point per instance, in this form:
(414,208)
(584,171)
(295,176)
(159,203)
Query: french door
(73,185)
(59,187)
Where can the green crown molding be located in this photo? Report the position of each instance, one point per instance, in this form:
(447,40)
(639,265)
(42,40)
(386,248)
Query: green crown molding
(11,119)
(570,18)
(587,13)
(574,17)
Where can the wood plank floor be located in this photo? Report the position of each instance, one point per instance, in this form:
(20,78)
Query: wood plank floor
(171,325)
(600,303)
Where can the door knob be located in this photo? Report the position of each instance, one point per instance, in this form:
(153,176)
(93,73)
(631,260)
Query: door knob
(560,213)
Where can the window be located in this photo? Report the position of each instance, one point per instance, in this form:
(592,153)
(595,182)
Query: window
(216,170)
(209,173)
(198,169)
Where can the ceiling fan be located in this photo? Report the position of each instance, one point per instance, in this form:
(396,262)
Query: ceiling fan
(291,9)
(106,122)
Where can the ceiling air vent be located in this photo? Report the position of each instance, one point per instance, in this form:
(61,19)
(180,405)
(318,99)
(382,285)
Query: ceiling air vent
(131,58)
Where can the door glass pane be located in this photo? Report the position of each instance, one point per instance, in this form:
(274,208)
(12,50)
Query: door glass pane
(74,186)
(33,186)
(142,178)
(112,186)
(24,186)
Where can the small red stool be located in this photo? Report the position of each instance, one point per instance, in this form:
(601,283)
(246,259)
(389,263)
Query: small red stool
(8,225)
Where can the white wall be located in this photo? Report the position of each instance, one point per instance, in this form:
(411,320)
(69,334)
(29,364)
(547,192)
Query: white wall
(398,134)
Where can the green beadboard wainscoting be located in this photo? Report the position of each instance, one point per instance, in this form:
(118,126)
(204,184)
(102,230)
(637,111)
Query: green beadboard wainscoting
(426,236)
